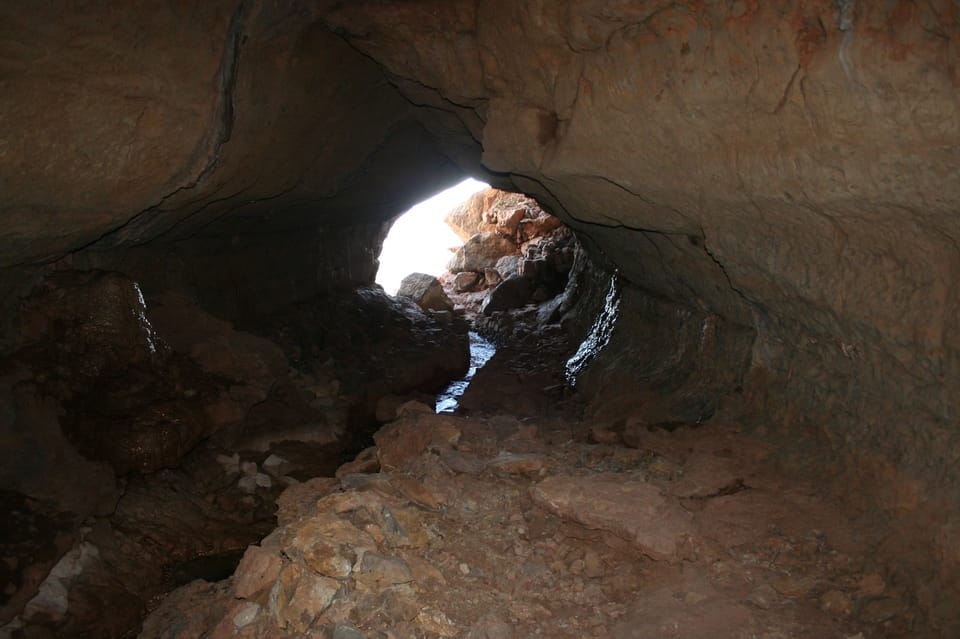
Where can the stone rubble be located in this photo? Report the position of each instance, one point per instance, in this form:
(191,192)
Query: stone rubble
(493,527)
(515,253)
(155,439)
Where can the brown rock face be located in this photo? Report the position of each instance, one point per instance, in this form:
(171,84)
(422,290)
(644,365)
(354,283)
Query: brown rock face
(481,252)
(776,183)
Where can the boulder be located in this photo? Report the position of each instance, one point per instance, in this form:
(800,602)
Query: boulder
(491,277)
(537,226)
(465,281)
(481,251)
(466,220)
(512,293)
(505,221)
(426,291)
(508,266)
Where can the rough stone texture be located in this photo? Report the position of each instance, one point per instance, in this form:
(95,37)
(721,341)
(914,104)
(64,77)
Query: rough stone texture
(426,291)
(501,212)
(789,168)
(240,78)
(466,220)
(481,251)
(634,510)
(257,572)
(566,556)
(465,281)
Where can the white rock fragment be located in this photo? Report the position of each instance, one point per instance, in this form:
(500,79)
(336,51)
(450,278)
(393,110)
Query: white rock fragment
(247,615)
(52,598)
(276,466)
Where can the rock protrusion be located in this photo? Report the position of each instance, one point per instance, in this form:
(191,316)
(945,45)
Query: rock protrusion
(426,291)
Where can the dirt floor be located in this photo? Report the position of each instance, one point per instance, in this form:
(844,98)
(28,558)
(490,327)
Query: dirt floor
(516,518)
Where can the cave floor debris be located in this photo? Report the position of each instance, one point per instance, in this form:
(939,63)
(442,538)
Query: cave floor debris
(523,520)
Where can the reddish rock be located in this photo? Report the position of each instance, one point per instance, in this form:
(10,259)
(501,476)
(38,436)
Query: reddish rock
(365,462)
(300,500)
(634,510)
(466,219)
(300,596)
(257,571)
(518,464)
(378,572)
(411,435)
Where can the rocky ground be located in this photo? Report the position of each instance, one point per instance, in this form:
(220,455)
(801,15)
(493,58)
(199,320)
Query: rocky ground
(530,512)
(146,443)
(521,518)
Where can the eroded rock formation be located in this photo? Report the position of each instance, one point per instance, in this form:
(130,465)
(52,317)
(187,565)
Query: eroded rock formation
(776,184)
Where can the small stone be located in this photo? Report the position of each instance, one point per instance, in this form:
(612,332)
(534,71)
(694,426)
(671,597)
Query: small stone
(262,480)
(299,596)
(246,615)
(515,464)
(508,266)
(413,434)
(417,492)
(425,573)
(276,466)
(249,468)
(256,572)
(273,461)
(465,281)
(464,569)
(463,463)
(436,622)
(593,565)
(381,571)
(248,483)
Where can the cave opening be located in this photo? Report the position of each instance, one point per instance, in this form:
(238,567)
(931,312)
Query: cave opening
(419,241)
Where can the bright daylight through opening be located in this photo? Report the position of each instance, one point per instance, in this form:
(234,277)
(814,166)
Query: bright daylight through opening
(419,241)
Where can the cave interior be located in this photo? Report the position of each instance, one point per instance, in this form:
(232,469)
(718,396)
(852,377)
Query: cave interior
(196,368)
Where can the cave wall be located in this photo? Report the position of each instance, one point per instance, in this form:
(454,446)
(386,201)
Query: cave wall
(238,150)
(783,174)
